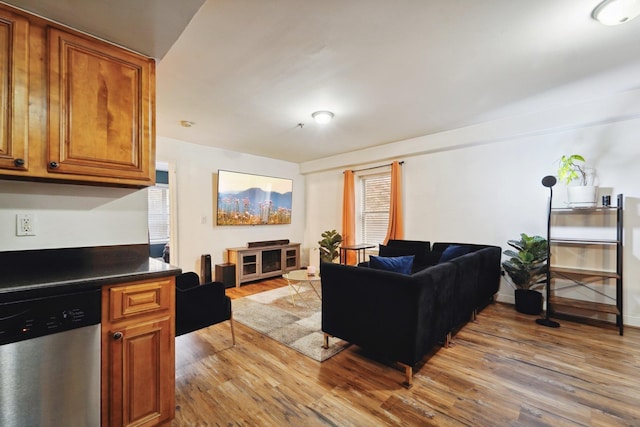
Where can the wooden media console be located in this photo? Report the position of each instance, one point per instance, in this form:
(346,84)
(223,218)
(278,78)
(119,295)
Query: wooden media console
(260,262)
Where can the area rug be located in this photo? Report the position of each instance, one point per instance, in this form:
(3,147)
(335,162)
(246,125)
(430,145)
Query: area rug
(297,326)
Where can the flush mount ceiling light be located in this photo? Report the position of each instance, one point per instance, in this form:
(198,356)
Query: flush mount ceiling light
(616,12)
(322,116)
(186,123)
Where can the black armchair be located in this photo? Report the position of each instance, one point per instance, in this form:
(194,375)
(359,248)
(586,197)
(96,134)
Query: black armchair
(199,306)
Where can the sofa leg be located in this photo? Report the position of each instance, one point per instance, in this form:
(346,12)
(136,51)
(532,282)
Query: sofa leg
(325,341)
(474,315)
(447,340)
(408,376)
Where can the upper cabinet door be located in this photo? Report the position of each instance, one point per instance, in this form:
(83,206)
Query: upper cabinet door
(14,91)
(101,109)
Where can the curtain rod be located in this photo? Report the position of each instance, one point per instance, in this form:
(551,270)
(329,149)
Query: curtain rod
(375,167)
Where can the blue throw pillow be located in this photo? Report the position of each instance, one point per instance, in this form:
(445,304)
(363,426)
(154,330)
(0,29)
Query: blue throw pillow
(398,264)
(453,251)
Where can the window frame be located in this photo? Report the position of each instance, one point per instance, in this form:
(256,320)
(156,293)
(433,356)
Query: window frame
(166,200)
(361,178)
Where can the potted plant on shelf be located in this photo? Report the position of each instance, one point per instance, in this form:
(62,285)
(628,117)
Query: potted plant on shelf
(527,268)
(571,169)
(329,245)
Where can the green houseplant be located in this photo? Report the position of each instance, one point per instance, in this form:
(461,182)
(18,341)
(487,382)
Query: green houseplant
(571,169)
(329,245)
(527,269)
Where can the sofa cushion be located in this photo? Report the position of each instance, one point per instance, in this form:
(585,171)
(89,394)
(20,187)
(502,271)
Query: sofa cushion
(389,251)
(398,264)
(420,249)
(454,251)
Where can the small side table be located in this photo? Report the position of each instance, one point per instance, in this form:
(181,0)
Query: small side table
(360,249)
(226,273)
(296,278)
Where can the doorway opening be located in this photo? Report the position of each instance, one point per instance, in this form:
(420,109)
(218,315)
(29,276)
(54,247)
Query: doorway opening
(159,209)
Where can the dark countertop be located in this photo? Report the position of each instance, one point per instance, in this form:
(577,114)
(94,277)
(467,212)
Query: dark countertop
(34,274)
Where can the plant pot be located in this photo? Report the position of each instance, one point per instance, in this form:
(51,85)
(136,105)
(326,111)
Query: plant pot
(528,301)
(582,196)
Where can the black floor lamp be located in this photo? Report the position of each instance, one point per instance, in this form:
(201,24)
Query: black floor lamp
(548,181)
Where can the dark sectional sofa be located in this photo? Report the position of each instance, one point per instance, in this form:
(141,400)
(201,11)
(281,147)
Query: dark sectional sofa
(402,317)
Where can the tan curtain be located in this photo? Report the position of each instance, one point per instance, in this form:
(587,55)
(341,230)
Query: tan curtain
(396,221)
(349,217)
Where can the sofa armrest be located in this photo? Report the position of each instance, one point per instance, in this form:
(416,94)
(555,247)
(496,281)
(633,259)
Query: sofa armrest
(444,278)
(207,291)
(201,306)
(187,280)
(388,313)
(489,279)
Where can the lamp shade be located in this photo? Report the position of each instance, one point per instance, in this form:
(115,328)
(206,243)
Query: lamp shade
(615,12)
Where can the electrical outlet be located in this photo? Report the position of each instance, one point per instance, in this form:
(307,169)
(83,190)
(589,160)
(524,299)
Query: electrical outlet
(25,224)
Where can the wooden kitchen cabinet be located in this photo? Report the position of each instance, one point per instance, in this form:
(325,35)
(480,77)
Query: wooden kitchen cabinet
(138,353)
(75,108)
(14,97)
(100,108)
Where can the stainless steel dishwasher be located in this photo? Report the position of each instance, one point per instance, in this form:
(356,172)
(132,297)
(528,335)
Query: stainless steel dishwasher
(50,361)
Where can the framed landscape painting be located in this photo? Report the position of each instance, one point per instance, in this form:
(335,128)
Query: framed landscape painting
(248,199)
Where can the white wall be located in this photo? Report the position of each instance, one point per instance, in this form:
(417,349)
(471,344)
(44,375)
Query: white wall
(482,184)
(196,168)
(72,215)
(477,184)
(78,216)
(324,209)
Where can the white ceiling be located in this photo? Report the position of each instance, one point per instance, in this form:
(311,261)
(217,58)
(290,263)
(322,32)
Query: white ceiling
(247,72)
(147,26)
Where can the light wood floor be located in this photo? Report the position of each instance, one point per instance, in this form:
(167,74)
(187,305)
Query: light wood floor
(503,370)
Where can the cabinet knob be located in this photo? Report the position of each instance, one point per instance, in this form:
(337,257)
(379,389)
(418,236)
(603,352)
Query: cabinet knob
(54,165)
(18,162)
(117,336)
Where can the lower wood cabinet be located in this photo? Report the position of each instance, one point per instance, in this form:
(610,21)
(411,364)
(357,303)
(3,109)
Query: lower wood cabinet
(138,353)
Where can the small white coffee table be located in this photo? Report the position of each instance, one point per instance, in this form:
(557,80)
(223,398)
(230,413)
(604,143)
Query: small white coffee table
(297,278)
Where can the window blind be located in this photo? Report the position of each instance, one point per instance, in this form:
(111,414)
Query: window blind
(375,193)
(159,213)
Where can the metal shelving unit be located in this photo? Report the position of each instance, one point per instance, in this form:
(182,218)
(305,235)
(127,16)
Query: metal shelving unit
(575,278)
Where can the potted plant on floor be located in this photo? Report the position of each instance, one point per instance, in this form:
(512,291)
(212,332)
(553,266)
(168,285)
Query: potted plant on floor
(329,245)
(527,268)
(571,169)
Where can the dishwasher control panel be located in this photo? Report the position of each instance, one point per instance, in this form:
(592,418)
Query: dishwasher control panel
(31,318)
